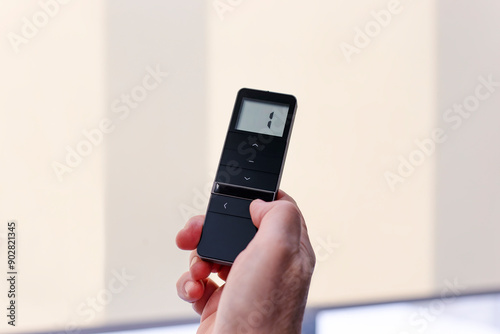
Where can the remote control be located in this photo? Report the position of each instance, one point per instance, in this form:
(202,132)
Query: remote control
(250,167)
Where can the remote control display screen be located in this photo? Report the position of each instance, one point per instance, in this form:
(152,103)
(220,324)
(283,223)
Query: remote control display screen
(262,117)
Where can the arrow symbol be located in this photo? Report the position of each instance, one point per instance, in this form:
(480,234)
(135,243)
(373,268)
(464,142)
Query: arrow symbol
(225,205)
(255,145)
(246,178)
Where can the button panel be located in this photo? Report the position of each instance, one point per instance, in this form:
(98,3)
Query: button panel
(224,237)
(230,205)
(250,145)
(248,178)
(253,161)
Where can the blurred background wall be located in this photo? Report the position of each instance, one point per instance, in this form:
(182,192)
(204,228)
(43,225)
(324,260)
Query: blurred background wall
(400,200)
(467,177)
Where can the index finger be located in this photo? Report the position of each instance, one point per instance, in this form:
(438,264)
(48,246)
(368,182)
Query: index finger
(190,235)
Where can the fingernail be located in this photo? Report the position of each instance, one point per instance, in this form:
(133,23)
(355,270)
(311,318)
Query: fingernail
(194,260)
(188,286)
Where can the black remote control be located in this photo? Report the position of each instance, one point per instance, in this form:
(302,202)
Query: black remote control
(250,167)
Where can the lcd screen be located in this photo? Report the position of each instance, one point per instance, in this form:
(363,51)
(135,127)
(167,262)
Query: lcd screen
(262,117)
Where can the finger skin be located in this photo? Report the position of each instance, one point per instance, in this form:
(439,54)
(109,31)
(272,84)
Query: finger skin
(189,236)
(286,210)
(189,289)
(210,287)
(223,273)
(198,268)
(212,304)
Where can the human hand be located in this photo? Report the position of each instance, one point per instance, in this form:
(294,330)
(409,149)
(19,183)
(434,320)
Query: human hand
(265,290)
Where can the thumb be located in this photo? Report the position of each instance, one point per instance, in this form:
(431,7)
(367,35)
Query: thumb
(258,209)
(277,221)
